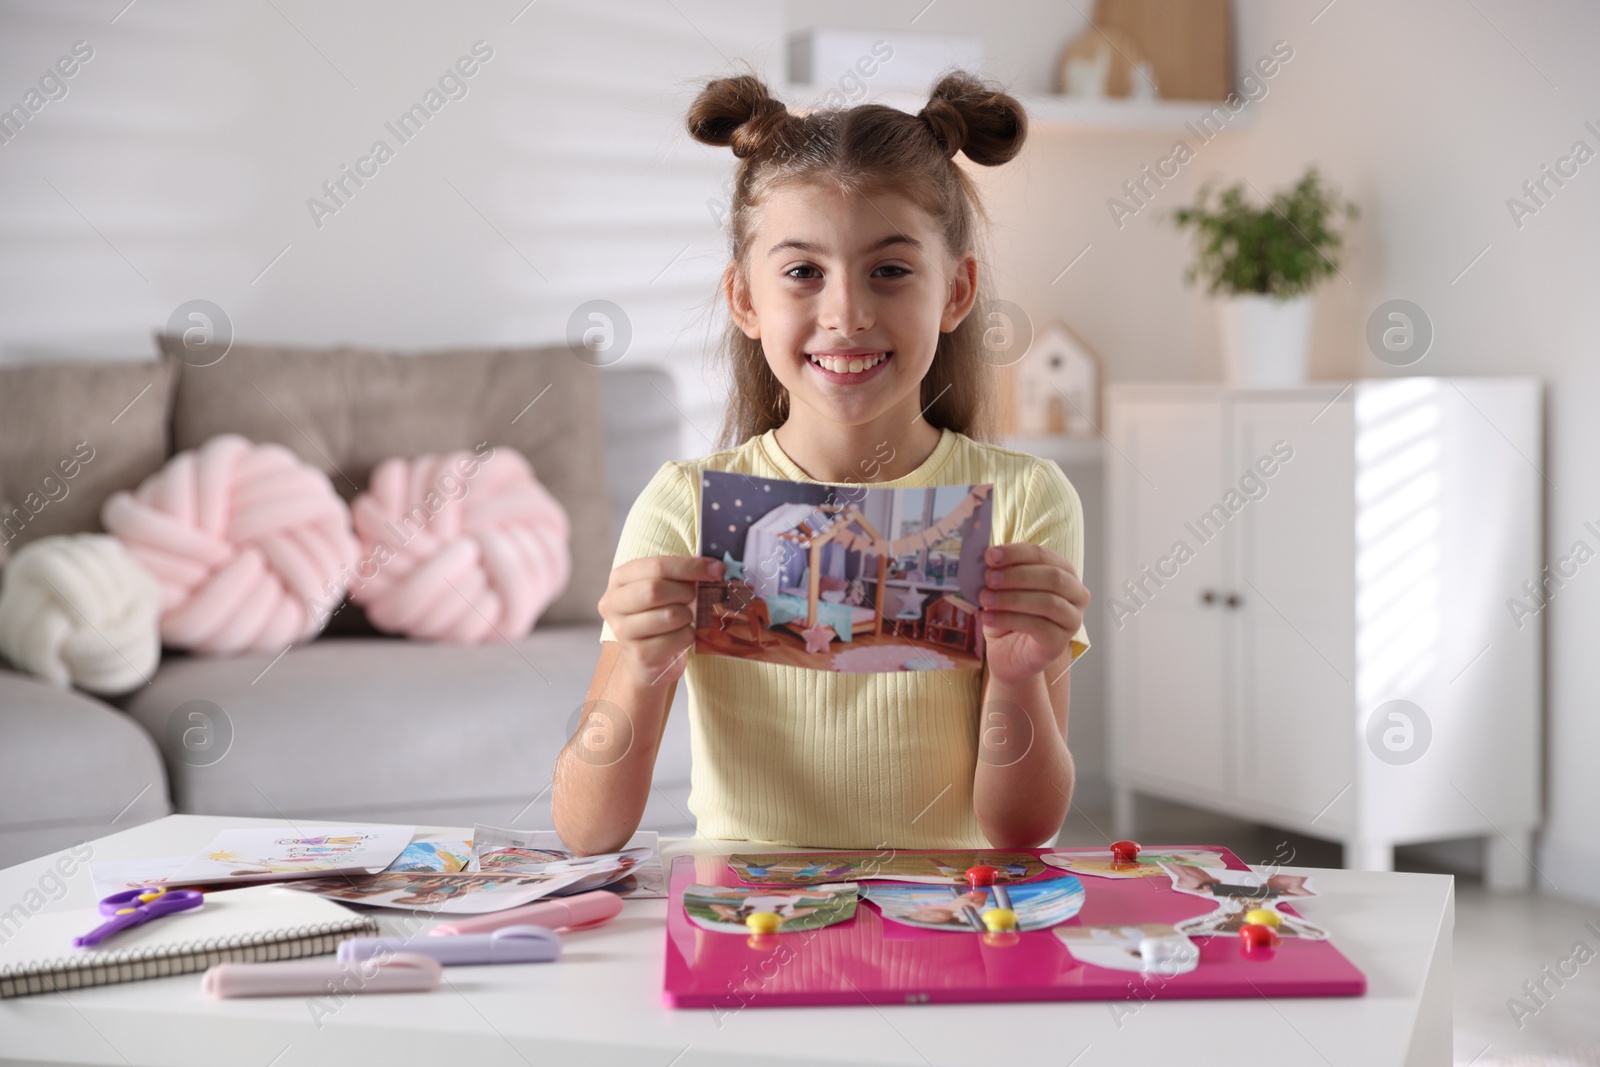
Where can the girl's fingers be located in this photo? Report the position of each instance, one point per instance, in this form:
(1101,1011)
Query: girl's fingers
(669,619)
(1044,631)
(1048,606)
(631,597)
(1040,576)
(1023,553)
(647,607)
(675,568)
(663,654)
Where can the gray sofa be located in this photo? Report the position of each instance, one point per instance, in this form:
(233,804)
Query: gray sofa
(349,727)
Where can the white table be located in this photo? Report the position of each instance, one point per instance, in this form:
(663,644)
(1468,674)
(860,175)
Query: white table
(601,1003)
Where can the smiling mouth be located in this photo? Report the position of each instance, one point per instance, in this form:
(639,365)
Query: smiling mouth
(847,367)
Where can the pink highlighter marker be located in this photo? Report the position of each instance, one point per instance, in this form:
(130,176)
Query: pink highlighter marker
(574,912)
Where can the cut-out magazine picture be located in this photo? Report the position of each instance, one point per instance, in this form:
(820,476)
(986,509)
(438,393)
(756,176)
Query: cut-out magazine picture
(1237,893)
(1038,905)
(446,894)
(843,577)
(811,868)
(726,907)
(1103,863)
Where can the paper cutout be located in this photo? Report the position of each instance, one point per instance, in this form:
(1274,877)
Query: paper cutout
(1101,864)
(443,894)
(943,868)
(273,854)
(1038,904)
(433,856)
(1238,892)
(1119,947)
(724,908)
(117,876)
(633,872)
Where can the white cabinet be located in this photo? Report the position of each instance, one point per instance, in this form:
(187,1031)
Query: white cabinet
(1309,600)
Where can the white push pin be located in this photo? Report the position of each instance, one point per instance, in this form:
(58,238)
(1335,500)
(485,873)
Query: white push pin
(1169,955)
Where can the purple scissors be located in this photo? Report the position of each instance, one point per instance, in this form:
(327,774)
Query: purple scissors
(135,906)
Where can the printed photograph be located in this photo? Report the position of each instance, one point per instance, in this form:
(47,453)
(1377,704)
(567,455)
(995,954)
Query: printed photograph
(843,578)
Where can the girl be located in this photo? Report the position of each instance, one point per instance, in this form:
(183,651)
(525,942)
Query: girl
(854,357)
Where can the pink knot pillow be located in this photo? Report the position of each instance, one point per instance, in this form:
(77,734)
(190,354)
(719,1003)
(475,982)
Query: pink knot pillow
(462,548)
(250,545)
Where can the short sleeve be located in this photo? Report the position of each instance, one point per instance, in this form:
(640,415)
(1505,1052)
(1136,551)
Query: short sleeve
(1052,516)
(660,523)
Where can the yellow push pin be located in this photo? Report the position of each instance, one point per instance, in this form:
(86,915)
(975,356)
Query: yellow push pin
(999,920)
(1264,917)
(763,922)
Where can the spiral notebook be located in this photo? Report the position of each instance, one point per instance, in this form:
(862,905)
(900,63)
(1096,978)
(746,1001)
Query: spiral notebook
(242,925)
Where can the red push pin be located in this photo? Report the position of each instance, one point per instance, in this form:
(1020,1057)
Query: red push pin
(1125,851)
(1253,936)
(984,876)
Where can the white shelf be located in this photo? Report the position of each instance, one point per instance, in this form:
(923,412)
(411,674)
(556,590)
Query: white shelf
(1052,111)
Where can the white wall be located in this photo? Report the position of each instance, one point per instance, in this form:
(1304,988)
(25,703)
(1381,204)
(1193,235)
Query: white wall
(195,136)
(186,149)
(1429,114)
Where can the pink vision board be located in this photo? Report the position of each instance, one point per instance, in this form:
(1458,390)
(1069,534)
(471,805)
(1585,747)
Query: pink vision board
(868,959)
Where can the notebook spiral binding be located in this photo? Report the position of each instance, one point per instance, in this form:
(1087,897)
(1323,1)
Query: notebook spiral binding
(131,965)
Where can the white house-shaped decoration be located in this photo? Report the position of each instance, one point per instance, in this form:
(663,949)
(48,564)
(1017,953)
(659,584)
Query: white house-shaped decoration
(1058,386)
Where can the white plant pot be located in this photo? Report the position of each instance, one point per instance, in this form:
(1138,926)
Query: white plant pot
(1265,341)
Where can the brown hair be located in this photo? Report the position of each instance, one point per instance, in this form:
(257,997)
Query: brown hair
(864,149)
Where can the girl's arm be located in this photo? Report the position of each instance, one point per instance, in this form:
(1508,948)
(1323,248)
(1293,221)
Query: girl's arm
(602,776)
(1023,786)
(1032,604)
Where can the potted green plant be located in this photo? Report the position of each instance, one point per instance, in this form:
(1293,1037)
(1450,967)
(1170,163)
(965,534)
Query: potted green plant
(1263,262)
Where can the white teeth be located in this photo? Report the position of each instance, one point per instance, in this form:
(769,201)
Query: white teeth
(850,364)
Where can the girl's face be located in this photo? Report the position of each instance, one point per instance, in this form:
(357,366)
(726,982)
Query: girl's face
(848,295)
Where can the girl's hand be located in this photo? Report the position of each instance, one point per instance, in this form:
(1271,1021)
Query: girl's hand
(1032,603)
(648,603)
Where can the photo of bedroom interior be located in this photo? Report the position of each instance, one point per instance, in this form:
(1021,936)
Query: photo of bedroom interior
(843,578)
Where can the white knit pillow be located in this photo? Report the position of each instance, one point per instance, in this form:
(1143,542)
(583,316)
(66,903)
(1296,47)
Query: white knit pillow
(78,610)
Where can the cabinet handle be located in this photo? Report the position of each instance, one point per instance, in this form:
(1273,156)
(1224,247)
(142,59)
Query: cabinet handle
(1233,600)
(1208,596)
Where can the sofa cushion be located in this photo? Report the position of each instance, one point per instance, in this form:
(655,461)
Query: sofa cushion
(639,408)
(71,769)
(71,434)
(380,728)
(347,409)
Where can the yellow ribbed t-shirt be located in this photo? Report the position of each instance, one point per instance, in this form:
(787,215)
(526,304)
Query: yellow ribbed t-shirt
(798,756)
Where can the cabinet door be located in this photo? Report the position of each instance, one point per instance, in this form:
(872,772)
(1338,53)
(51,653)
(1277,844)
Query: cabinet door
(1294,626)
(1168,670)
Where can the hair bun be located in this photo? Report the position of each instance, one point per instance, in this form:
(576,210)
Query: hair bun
(737,113)
(967,115)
